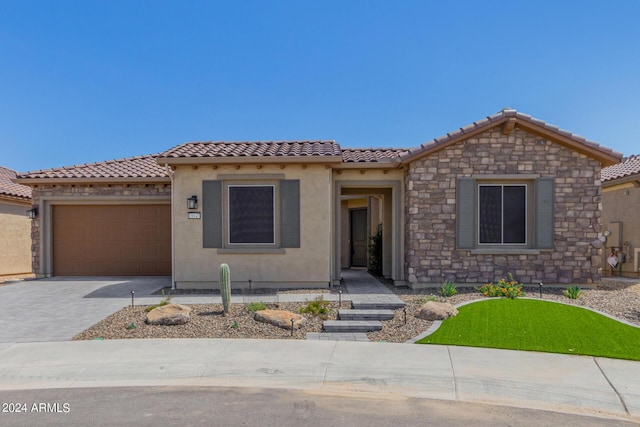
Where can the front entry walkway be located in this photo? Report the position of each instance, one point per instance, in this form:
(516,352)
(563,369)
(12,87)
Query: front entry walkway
(367,293)
(371,301)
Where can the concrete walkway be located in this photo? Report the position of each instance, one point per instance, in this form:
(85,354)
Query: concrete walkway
(573,384)
(365,290)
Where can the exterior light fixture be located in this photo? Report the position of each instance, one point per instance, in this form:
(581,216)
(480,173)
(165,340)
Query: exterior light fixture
(32,213)
(607,233)
(192,202)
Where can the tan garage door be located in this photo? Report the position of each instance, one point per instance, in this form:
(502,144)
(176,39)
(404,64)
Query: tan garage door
(112,240)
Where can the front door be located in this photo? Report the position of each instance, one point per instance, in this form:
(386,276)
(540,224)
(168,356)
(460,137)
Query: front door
(358,223)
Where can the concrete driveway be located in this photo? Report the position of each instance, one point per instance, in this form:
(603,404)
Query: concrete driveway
(56,309)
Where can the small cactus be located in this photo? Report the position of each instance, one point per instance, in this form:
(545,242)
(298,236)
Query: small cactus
(225,287)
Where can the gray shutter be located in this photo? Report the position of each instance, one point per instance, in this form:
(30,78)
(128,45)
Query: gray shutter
(290,213)
(545,217)
(465,213)
(212,214)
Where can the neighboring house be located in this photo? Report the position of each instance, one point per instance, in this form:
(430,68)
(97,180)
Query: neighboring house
(15,226)
(621,216)
(509,193)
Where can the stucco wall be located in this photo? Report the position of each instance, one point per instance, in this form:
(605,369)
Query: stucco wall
(15,239)
(432,256)
(622,204)
(309,265)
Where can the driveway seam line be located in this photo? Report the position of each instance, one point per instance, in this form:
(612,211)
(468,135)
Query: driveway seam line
(624,405)
(326,368)
(453,372)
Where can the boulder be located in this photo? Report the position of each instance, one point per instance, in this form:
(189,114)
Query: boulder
(280,318)
(434,310)
(170,314)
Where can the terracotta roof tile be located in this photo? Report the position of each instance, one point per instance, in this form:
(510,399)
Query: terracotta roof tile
(371,155)
(628,167)
(132,167)
(11,189)
(254,149)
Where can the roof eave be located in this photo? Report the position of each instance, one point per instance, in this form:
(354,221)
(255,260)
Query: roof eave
(230,160)
(119,180)
(369,165)
(15,199)
(607,158)
(634,179)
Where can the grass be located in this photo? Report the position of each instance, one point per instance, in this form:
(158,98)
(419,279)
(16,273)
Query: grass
(521,324)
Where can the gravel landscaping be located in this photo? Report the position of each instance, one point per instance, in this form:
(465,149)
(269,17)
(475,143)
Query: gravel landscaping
(207,320)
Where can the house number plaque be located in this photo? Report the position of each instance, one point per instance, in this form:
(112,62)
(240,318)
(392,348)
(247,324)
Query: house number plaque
(193,215)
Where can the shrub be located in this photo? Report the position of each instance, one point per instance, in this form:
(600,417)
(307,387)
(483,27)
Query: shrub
(166,299)
(256,306)
(573,292)
(504,288)
(448,289)
(375,252)
(318,307)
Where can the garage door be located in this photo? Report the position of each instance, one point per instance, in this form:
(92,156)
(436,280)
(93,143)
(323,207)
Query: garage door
(112,240)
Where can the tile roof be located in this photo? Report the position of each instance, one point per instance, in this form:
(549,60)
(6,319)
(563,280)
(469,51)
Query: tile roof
(254,149)
(629,166)
(9,188)
(133,167)
(371,155)
(502,116)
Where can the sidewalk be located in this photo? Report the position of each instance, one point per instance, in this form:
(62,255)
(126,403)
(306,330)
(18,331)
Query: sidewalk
(571,384)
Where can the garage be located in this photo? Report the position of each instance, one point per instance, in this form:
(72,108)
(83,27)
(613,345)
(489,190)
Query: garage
(111,240)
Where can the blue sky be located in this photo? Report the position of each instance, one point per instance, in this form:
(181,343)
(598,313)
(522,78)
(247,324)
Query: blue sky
(85,81)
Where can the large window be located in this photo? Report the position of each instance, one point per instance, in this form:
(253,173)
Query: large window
(502,214)
(510,213)
(251,214)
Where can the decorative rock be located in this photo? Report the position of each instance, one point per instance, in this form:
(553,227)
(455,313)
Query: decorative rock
(433,310)
(280,318)
(170,314)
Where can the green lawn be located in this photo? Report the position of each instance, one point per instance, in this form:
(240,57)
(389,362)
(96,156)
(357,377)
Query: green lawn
(523,324)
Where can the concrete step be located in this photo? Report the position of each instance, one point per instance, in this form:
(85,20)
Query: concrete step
(365,314)
(338,336)
(381,305)
(351,325)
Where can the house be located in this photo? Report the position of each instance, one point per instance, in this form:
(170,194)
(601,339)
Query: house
(509,193)
(15,226)
(621,216)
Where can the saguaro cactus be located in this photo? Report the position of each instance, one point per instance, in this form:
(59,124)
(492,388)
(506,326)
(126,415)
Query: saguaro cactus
(225,287)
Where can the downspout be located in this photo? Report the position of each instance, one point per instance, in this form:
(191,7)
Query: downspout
(173,246)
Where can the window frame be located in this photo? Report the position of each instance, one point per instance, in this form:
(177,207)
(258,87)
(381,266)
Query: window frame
(527,214)
(226,213)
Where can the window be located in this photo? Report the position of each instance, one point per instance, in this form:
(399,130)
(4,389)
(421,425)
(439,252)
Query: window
(505,213)
(251,213)
(502,214)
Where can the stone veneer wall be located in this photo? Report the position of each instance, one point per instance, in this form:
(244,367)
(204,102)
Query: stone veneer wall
(430,230)
(69,192)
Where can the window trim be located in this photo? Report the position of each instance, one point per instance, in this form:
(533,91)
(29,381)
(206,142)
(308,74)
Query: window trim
(226,238)
(527,215)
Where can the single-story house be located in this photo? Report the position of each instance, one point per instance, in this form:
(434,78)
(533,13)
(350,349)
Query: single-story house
(15,226)
(621,216)
(509,193)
